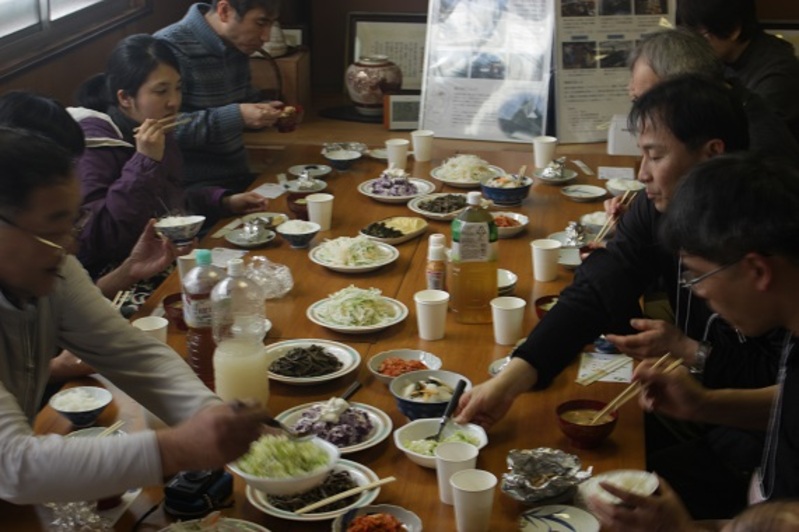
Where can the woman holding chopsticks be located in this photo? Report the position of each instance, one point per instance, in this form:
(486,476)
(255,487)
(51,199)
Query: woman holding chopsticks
(132,169)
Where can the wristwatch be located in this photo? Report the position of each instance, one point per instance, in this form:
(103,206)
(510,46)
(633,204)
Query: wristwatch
(700,357)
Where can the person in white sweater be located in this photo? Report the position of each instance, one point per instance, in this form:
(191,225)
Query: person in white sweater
(48,301)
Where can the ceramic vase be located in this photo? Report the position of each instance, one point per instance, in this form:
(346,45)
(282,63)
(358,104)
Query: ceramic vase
(368,79)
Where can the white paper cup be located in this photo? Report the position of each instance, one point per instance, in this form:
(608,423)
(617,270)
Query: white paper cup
(155,326)
(546,252)
(452,457)
(320,210)
(544,150)
(507,314)
(431,313)
(473,494)
(422,145)
(397,150)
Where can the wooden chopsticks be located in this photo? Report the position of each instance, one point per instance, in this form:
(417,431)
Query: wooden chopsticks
(110,430)
(626,199)
(344,495)
(603,371)
(168,123)
(120,298)
(632,390)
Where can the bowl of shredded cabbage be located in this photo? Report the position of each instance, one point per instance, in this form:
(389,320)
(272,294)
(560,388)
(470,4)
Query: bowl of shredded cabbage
(411,438)
(278,465)
(357,311)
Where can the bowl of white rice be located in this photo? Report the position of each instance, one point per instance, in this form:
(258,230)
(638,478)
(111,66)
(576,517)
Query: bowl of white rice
(81,405)
(180,229)
(298,233)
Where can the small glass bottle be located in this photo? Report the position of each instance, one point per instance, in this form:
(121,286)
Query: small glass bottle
(436,270)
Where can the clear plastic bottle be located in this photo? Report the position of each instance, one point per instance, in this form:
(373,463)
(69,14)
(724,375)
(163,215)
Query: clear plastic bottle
(197,286)
(241,365)
(473,263)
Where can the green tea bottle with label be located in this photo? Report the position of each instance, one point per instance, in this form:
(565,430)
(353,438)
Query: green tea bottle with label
(473,263)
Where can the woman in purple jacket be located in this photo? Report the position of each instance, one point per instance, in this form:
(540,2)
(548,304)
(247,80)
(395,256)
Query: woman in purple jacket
(132,168)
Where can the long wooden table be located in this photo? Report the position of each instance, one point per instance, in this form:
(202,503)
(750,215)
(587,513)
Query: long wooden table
(467,349)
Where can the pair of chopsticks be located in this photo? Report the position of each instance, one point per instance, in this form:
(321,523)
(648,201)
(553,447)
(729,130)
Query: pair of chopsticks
(120,298)
(344,495)
(626,199)
(604,371)
(112,429)
(633,389)
(168,123)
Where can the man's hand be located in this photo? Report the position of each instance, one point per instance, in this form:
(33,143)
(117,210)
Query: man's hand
(260,115)
(245,202)
(676,394)
(656,338)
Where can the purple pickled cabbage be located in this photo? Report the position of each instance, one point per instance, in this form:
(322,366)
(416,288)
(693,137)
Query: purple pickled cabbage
(353,426)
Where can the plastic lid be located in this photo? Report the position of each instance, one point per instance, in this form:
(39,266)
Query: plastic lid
(235,267)
(474,198)
(202,257)
(436,252)
(438,239)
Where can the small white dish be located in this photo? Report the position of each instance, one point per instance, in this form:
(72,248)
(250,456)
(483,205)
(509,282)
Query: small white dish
(641,483)
(583,193)
(567,176)
(569,255)
(390,254)
(314,170)
(317,185)
(618,186)
(506,281)
(419,222)
(420,429)
(410,521)
(423,187)
(378,153)
(495,171)
(557,518)
(315,314)
(508,232)
(350,359)
(239,238)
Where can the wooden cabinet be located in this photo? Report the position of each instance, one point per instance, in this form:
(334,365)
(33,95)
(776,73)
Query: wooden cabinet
(291,74)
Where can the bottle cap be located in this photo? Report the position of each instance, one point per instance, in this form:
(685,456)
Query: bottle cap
(474,198)
(235,267)
(438,239)
(202,257)
(435,252)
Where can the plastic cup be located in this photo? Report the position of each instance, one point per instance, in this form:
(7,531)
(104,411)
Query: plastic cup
(507,314)
(320,209)
(544,150)
(546,252)
(154,326)
(185,263)
(431,313)
(422,145)
(452,457)
(397,150)
(473,495)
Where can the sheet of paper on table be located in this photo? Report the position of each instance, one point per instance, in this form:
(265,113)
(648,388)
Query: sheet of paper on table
(590,363)
(270,190)
(614,172)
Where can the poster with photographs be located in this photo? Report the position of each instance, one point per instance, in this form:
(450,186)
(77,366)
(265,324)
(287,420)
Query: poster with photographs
(487,68)
(594,39)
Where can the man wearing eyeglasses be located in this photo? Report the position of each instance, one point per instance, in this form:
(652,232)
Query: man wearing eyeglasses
(734,223)
(48,301)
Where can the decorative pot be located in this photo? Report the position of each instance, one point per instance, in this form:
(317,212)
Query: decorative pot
(368,79)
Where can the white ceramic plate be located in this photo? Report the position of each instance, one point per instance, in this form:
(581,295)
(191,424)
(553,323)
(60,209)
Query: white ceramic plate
(360,473)
(415,202)
(422,185)
(390,254)
(237,237)
(400,313)
(234,524)
(349,357)
(378,153)
(568,175)
(399,239)
(558,518)
(583,193)
(409,520)
(508,232)
(639,482)
(314,170)
(381,424)
(569,256)
(435,173)
(293,186)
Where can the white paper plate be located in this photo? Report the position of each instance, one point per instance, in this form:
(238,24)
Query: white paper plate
(314,170)
(568,175)
(422,185)
(381,424)
(239,524)
(415,202)
(558,518)
(349,357)
(435,173)
(390,254)
(360,473)
(399,239)
(400,313)
(583,193)
(642,483)
(238,238)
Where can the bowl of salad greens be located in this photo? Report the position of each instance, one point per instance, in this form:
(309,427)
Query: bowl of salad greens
(279,465)
(354,310)
(411,438)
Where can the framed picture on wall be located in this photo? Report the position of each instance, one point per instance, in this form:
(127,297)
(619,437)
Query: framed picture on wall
(401,111)
(295,35)
(399,36)
(784,29)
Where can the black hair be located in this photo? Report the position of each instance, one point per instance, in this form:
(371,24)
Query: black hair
(29,161)
(28,110)
(720,17)
(272,7)
(735,204)
(130,63)
(695,109)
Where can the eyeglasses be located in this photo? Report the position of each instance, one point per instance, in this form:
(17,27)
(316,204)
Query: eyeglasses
(77,227)
(689,279)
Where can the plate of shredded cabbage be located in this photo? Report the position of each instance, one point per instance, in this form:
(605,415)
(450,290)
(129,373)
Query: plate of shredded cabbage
(353,254)
(390,189)
(310,361)
(465,171)
(356,310)
(360,475)
(358,427)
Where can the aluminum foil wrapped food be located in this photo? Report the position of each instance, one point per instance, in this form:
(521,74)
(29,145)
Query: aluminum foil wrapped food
(349,146)
(273,278)
(554,170)
(543,473)
(575,234)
